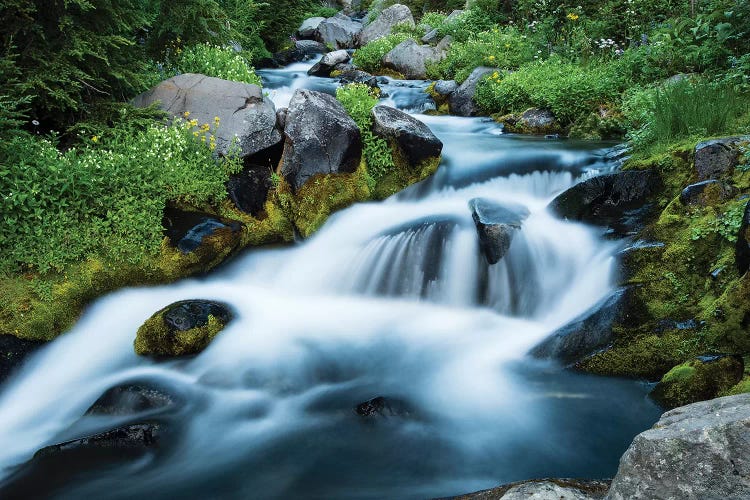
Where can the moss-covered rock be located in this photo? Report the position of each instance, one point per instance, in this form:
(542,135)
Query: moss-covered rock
(699,379)
(182,328)
(532,121)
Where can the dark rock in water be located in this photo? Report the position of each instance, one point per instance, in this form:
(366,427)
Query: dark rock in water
(706,192)
(590,332)
(496,225)
(182,328)
(388,19)
(188,230)
(249,189)
(618,200)
(543,489)
(717,157)
(328,62)
(413,140)
(699,379)
(357,76)
(699,451)
(137,436)
(310,47)
(247,118)
(742,247)
(12,353)
(462,99)
(131,399)
(321,138)
(383,407)
(532,121)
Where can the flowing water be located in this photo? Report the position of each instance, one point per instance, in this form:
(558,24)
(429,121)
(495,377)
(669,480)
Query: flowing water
(389,299)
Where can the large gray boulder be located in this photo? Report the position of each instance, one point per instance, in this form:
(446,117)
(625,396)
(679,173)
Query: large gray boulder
(496,225)
(385,22)
(321,138)
(339,31)
(247,119)
(696,452)
(411,59)
(412,139)
(543,489)
(328,62)
(309,27)
(461,101)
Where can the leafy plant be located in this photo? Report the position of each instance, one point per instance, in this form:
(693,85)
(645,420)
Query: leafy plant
(368,57)
(219,62)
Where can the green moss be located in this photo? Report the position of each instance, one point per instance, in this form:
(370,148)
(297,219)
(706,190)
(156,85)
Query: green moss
(403,175)
(680,373)
(514,123)
(441,101)
(740,388)
(696,380)
(155,338)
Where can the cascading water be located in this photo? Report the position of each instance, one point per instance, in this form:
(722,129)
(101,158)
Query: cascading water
(391,299)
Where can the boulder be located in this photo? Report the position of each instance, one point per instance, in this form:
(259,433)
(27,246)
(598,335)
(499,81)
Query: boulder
(131,399)
(328,62)
(588,333)
(249,189)
(183,328)
(357,76)
(197,231)
(462,99)
(309,27)
(453,16)
(496,225)
(302,51)
(339,32)
(382,407)
(742,247)
(310,47)
(543,489)
(695,452)
(431,37)
(12,353)
(321,138)
(717,157)
(411,59)
(445,87)
(130,437)
(281,117)
(385,22)
(706,193)
(411,139)
(704,377)
(247,119)
(618,200)
(532,121)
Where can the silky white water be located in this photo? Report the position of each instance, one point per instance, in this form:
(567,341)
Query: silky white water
(390,298)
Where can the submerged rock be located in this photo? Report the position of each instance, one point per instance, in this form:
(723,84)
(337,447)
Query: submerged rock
(409,137)
(247,119)
(695,452)
(13,351)
(182,328)
(131,399)
(130,437)
(543,489)
(496,225)
(618,200)
(321,138)
(702,378)
(385,22)
(462,99)
(383,407)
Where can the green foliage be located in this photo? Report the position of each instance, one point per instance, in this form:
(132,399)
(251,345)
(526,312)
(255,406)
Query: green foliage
(358,100)
(727,225)
(281,18)
(464,26)
(106,198)
(219,62)
(368,57)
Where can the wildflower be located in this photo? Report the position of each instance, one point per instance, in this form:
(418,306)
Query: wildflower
(216,120)
(95,139)
(495,75)
(491,58)
(186,114)
(572,16)
(35,123)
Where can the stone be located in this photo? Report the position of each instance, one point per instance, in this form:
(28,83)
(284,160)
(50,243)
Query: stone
(247,119)
(462,99)
(383,407)
(543,489)
(357,76)
(13,351)
(383,25)
(411,139)
(303,50)
(321,138)
(631,258)
(411,59)
(695,452)
(191,231)
(281,117)
(339,32)
(588,333)
(310,47)
(742,247)
(704,377)
(309,27)
(717,157)
(249,189)
(328,62)
(706,193)
(496,225)
(137,436)
(431,37)
(445,87)
(182,328)
(132,399)
(538,121)
(453,16)
(619,201)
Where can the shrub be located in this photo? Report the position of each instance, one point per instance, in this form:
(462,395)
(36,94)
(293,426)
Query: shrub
(358,100)
(219,62)
(368,57)
(466,25)
(106,198)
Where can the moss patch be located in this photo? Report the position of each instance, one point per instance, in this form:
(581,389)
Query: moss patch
(697,380)
(155,338)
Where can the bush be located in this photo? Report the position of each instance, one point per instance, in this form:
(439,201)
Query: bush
(219,62)
(368,57)
(104,199)
(358,100)
(463,27)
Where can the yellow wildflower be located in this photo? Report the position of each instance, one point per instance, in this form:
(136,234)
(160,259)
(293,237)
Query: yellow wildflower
(186,114)
(216,120)
(572,16)
(492,58)
(95,139)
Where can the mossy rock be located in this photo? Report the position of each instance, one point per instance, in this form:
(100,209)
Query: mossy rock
(699,379)
(182,328)
(534,121)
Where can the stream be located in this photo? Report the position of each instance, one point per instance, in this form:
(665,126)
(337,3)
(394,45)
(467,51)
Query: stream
(388,299)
